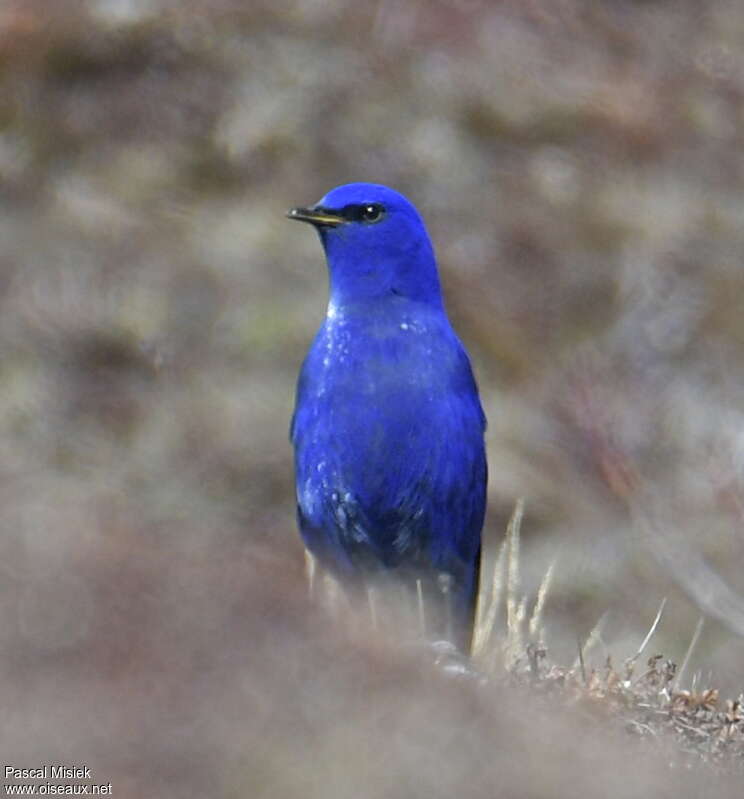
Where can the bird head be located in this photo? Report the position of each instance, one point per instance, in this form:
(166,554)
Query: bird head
(376,245)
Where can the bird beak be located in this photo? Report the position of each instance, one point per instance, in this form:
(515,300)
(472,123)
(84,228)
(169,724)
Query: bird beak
(316,216)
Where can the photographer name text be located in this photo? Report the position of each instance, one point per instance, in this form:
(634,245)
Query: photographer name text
(48,772)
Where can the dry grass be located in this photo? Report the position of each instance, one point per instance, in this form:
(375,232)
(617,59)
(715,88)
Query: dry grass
(650,704)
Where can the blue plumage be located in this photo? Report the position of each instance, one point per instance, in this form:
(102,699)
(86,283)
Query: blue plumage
(388,428)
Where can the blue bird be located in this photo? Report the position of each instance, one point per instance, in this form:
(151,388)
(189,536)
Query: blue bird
(388,429)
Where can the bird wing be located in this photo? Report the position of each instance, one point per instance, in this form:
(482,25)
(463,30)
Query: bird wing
(390,458)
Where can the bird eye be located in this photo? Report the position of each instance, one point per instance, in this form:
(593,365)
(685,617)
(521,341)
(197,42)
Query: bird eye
(372,212)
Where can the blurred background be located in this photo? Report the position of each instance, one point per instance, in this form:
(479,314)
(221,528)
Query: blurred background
(580,167)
